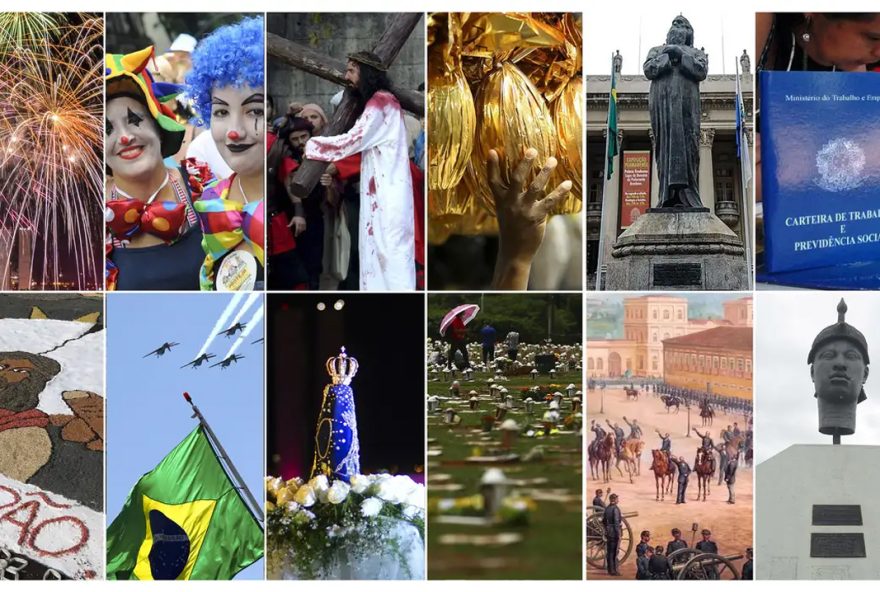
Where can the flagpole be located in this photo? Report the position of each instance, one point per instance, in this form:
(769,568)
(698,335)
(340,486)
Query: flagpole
(601,259)
(744,146)
(236,478)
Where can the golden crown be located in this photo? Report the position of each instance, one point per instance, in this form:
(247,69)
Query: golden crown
(342,368)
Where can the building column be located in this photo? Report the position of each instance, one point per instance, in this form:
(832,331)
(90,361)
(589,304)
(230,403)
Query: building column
(655,176)
(611,205)
(707,170)
(25,259)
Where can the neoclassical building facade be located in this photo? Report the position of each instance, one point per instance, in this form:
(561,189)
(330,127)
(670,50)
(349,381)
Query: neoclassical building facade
(721,187)
(649,322)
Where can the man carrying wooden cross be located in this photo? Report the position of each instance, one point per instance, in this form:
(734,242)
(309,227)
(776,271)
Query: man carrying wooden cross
(385,241)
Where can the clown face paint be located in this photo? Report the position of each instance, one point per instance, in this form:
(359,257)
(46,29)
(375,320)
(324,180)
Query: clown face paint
(132,145)
(238,123)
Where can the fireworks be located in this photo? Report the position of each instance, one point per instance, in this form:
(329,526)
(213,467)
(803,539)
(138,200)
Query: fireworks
(51,171)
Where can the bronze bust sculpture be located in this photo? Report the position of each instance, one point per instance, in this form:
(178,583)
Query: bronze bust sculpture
(839,368)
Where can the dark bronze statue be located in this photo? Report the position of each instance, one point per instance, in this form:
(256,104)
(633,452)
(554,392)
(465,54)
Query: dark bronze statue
(839,368)
(675,71)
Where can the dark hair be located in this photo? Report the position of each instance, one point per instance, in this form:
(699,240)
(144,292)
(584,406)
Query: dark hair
(270,101)
(370,81)
(25,395)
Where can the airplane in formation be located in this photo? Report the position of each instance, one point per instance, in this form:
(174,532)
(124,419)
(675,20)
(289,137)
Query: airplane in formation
(161,350)
(231,330)
(200,360)
(225,363)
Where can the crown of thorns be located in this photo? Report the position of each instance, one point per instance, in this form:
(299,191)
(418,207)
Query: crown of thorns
(368,58)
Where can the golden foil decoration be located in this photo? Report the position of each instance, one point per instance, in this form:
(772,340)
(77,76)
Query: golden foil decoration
(568,117)
(452,121)
(451,116)
(550,68)
(486,33)
(511,118)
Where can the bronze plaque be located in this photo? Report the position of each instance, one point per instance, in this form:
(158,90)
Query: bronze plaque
(837,515)
(669,275)
(826,544)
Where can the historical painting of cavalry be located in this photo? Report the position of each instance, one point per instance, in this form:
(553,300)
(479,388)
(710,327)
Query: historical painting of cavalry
(669,407)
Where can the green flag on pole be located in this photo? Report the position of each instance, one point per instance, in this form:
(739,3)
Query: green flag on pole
(184,520)
(612,123)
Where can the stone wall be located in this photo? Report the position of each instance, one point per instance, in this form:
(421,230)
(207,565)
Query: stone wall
(337,35)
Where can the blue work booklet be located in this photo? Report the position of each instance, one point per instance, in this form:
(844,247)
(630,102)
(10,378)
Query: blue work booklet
(820,150)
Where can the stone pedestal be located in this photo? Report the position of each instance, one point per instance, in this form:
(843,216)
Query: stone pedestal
(677,249)
(816,514)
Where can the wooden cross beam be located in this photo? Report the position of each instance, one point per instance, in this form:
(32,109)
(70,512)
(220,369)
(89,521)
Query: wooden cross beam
(331,69)
(387,49)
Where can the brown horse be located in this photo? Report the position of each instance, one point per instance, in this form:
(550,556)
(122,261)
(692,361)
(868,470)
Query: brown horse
(734,446)
(663,474)
(633,449)
(604,450)
(704,467)
(631,393)
(671,402)
(707,414)
(628,455)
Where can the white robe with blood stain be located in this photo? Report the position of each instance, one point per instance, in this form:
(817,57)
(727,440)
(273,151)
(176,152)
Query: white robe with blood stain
(385,242)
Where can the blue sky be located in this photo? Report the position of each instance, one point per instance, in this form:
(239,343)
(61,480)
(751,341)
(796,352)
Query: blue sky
(146,413)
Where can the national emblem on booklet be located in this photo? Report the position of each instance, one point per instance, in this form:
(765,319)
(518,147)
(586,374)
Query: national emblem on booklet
(819,132)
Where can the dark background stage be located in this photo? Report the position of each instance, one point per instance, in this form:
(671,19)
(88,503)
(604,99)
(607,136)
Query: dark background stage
(385,333)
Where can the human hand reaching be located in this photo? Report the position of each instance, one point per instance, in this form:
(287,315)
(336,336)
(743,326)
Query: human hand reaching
(299,225)
(522,216)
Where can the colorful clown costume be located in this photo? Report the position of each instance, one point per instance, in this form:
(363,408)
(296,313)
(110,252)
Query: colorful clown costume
(226,224)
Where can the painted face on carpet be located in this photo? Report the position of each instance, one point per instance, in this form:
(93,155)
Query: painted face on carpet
(238,122)
(22,378)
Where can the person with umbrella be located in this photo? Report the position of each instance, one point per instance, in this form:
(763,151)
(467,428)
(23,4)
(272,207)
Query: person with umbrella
(454,324)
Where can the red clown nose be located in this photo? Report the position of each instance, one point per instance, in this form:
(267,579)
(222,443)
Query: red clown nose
(232,135)
(124,140)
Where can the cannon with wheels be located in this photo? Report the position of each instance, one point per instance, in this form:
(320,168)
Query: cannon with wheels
(692,564)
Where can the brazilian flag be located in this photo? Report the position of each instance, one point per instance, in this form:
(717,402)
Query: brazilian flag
(184,520)
(612,147)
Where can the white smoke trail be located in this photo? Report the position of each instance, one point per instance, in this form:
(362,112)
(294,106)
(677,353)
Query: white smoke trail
(221,322)
(252,322)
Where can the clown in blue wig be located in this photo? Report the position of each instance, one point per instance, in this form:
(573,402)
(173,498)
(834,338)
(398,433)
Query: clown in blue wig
(226,87)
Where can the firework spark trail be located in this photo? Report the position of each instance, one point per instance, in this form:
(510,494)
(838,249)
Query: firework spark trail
(221,322)
(51,111)
(252,322)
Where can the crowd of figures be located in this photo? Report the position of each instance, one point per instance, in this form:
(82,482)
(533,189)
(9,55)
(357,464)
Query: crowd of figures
(609,448)
(325,241)
(676,397)
(659,562)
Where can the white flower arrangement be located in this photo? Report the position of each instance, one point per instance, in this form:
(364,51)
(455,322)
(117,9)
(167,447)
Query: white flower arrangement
(360,516)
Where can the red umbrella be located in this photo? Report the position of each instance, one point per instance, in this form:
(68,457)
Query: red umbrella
(466,312)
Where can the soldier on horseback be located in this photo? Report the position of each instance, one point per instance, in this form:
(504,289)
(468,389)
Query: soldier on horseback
(618,436)
(635,430)
(708,444)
